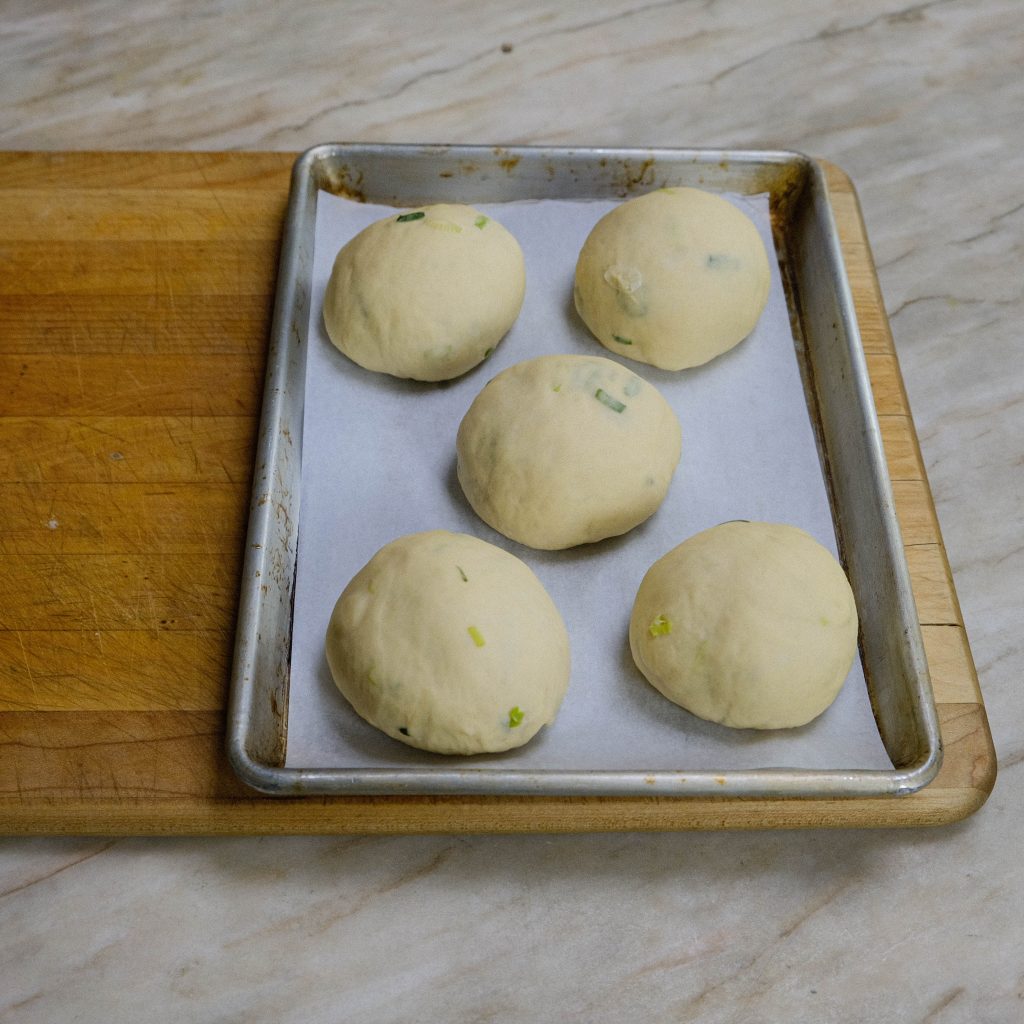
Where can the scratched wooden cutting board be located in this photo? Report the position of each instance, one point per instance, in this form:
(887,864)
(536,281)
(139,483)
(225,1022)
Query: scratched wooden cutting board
(135,301)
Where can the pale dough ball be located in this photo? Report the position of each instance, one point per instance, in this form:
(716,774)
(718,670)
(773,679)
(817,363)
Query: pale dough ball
(564,450)
(447,643)
(752,625)
(425,294)
(672,278)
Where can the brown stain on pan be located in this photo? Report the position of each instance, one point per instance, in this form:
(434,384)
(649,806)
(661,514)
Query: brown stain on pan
(506,160)
(631,177)
(345,181)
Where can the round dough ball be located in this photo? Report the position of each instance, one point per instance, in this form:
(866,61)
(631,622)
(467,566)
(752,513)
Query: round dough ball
(752,625)
(447,643)
(564,450)
(672,278)
(426,294)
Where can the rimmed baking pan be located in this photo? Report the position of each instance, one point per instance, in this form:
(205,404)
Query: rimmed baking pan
(838,400)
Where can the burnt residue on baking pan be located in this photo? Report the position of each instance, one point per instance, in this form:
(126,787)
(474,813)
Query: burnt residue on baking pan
(344,180)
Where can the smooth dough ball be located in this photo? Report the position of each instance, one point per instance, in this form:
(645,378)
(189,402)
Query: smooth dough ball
(564,450)
(672,278)
(425,294)
(752,625)
(447,643)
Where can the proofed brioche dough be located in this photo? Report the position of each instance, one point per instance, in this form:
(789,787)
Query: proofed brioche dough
(425,294)
(563,450)
(450,644)
(752,625)
(672,278)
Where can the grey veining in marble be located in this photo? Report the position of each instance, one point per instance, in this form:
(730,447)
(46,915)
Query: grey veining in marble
(921,104)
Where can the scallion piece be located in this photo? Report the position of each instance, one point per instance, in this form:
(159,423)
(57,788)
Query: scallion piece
(462,573)
(478,637)
(605,399)
(515,717)
(621,340)
(660,627)
(418,215)
(481,221)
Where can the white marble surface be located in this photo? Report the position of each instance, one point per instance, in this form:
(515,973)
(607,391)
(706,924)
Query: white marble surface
(921,104)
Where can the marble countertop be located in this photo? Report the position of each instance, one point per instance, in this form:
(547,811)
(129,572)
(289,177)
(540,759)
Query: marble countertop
(920,104)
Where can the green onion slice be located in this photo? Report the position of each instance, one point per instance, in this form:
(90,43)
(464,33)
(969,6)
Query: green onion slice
(481,221)
(605,399)
(660,627)
(515,717)
(478,637)
(418,215)
(621,340)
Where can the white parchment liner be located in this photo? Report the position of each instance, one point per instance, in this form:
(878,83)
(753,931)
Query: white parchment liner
(378,461)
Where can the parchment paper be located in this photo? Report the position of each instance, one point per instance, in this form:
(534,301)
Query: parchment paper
(378,461)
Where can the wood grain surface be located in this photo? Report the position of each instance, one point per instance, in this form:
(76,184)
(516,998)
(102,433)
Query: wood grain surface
(135,303)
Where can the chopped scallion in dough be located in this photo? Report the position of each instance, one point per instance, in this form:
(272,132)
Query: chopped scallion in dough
(660,627)
(605,399)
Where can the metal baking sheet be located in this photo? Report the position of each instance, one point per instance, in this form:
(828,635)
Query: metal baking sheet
(839,401)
